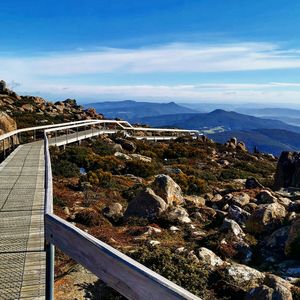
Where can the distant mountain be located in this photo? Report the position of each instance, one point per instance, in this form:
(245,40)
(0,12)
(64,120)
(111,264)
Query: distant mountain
(286,115)
(266,140)
(224,120)
(132,110)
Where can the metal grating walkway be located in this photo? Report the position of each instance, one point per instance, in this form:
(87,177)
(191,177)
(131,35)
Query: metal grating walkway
(22,256)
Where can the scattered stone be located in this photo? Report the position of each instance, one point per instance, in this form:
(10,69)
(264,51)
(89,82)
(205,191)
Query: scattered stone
(174,228)
(196,200)
(122,156)
(154,243)
(238,214)
(113,211)
(176,215)
(241,199)
(142,158)
(266,218)
(209,257)
(232,226)
(152,230)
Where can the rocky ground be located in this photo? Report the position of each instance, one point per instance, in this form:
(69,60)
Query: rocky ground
(202,214)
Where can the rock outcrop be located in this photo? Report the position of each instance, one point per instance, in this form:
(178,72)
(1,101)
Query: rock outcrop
(288,170)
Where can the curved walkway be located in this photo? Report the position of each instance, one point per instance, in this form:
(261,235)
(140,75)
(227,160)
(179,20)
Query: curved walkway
(22,256)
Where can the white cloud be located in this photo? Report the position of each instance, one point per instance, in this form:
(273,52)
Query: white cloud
(46,72)
(167,58)
(233,92)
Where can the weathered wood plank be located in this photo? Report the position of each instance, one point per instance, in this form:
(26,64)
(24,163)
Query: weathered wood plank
(119,271)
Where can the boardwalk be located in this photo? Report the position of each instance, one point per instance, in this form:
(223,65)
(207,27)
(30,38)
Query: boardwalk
(22,256)
(25,222)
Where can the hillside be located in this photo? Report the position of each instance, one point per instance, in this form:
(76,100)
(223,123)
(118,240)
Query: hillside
(33,111)
(133,111)
(228,120)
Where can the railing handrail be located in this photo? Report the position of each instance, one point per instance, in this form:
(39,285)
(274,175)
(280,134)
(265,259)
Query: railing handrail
(14,132)
(127,276)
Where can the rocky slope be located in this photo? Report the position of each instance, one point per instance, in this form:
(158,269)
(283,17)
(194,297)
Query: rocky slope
(33,111)
(202,214)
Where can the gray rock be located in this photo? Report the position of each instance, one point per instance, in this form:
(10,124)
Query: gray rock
(146,205)
(176,215)
(266,218)
(209,257)
(241,199)
(232,226)
(168,189)
(238,214)
(244,276)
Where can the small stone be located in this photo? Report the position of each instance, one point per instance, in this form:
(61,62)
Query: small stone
(209,257)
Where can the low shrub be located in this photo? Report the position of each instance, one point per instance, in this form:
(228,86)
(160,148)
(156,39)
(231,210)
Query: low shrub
(65,168)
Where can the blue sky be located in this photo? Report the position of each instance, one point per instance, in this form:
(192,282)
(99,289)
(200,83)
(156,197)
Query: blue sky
(159,50)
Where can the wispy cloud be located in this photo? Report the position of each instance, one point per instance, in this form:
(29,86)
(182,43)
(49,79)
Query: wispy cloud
(166,58)
(46,72)
(233,92)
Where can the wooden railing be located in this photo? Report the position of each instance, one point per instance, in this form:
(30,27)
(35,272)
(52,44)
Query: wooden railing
(125,275)
(119,271)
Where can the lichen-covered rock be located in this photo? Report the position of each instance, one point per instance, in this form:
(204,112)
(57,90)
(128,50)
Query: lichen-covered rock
(176,215)
(146,205)
(244,276)
(168,189)
(266,218)
(262,292)
(265,197)
(209,257)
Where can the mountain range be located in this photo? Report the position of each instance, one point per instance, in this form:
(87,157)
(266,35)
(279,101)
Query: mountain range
(132,110)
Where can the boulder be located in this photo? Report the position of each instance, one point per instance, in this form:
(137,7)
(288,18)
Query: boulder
(288,170)
(266,218)
(168,189)
(146,205)
(244,276)
(209,257)
(292,245)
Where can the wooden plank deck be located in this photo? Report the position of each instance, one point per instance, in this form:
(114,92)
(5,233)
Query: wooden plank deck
(22,256)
